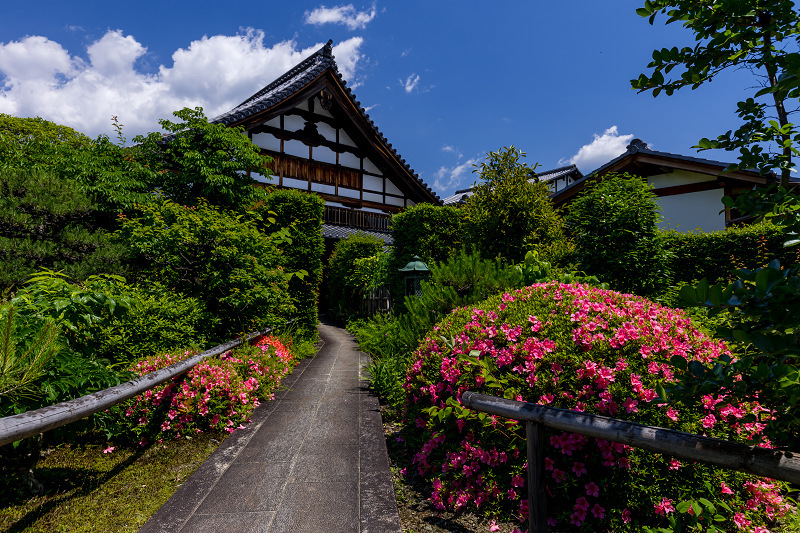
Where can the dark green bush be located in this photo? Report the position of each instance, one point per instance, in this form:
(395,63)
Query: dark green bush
(716,255)
(302,214)
(432,232)
(345,300)
(613,224)
(47,221)
(221,259)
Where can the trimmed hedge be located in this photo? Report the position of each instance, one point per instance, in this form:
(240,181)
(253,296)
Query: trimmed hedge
(434,233)
(303,213)
(715,255)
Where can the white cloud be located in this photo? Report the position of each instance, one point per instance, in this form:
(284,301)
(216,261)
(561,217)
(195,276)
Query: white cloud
(411,82)
(38,77)
(600,151)
(450,177)
(345,15)
(452,150)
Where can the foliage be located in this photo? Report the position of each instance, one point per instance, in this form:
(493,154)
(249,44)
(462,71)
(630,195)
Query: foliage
(613,224)
(762,308)
(509,214)
(199,159)
(48,221)
(302,214)
(221,259)
(344,298)
(26,142)
(432,232)
(715,256)
(732,34)
(589,350)
(534,269)
(25,351)
(216,394)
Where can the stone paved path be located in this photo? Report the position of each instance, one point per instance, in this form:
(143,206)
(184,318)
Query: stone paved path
(312,460)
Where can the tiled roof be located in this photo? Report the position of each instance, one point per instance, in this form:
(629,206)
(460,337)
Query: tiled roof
(295,80)
(340,232)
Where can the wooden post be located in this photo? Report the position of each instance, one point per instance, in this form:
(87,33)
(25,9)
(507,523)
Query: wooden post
(537,512)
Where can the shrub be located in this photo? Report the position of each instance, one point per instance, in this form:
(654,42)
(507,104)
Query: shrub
(432,232)
(216,394)
(509,214)
(716,255)
(613,224)
(222,260)
(47,221)
(345,300)
(302,214)
(586,349)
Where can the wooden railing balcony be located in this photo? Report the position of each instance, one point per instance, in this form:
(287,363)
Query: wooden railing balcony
(354,218)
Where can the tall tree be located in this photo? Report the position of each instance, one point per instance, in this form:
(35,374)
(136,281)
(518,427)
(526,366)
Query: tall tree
(760,35)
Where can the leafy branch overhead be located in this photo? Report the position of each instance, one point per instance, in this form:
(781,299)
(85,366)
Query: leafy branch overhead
(760,36)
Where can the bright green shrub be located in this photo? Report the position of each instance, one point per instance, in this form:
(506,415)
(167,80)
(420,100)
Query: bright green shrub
(432,232)
(345,300)
(302,214)
(716,255)
(218,258)
(613,225)
(47,221)
(509,215)
(589,350)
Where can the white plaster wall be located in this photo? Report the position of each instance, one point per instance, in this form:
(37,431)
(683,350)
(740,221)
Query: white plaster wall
(319,110)
(678,177)
(372,183)
(260,178)
(346,159)
(296,148)
(295,184)
(274,121)
(349,193)
(324,154)
(369,167)
(293,123)
(321,187)
(327,131)
(345,139)
(391,200)
(372,210)
(267,141)
(372,197)
(696,210)
(392,188)
(303,105)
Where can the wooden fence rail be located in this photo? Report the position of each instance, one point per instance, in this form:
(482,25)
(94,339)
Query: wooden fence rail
(781,465)
(30,423)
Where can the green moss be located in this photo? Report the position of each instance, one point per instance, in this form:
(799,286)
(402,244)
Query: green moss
(87,490)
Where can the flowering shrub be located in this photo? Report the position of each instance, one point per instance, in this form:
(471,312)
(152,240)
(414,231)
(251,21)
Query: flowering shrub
(589,350)
(216,394)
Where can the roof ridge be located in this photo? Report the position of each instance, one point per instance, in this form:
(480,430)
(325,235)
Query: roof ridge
(326,52)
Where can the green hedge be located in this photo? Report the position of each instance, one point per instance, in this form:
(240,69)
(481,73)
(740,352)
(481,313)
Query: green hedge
(434,233)
(715,255)
(303,213)
(344,301)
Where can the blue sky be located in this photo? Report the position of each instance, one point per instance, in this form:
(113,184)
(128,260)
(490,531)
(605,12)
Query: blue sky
(445,81)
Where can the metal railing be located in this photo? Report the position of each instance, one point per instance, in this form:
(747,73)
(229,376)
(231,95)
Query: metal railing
(781,465)
(30,423)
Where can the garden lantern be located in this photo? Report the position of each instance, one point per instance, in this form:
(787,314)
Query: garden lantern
(415,271)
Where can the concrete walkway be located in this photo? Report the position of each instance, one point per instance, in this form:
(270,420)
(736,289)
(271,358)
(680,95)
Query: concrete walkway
(312,460)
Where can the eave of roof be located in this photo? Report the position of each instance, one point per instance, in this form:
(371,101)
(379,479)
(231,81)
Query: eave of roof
(298,78)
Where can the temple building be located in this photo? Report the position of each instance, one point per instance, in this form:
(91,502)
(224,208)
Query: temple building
(321,140)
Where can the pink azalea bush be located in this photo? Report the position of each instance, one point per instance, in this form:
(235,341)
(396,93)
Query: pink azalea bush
(589,350)
(216,394)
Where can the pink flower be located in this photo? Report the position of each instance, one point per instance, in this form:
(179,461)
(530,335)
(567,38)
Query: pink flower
(626,516)
(674,464)
(672,414)
(493,526)
(664,507)
(578,469)
(724,489)
(598,511)
(592,489)
(110,449)
(709,421)
(741,521)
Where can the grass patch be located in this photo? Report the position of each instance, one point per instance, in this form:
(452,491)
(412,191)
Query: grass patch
(87,490)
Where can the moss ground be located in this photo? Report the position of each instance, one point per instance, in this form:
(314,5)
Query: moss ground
(87,490)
